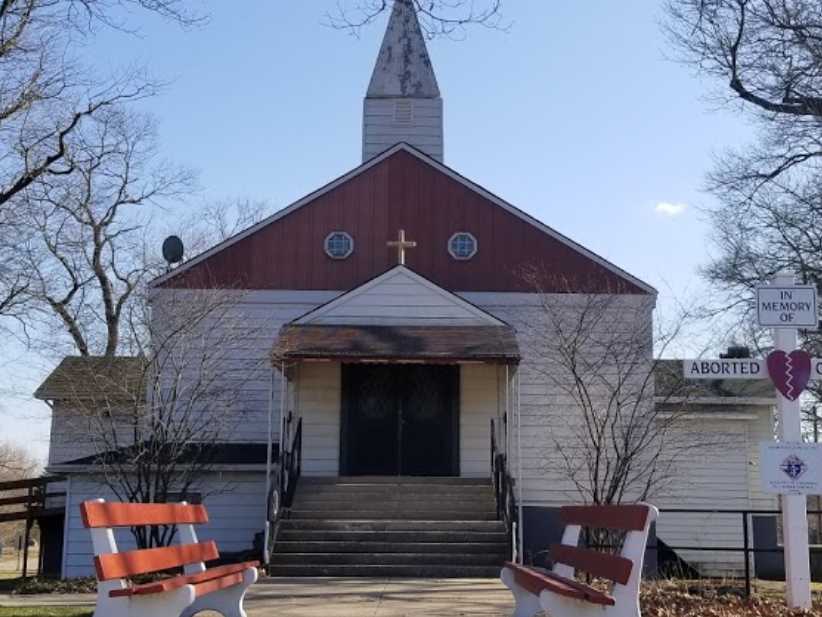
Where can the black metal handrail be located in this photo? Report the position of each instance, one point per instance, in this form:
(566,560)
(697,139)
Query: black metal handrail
(289,470)
(290,461)
(503,489)
(746,549)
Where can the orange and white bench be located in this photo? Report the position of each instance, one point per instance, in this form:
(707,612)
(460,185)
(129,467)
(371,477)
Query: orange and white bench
(220,589)
(560,594)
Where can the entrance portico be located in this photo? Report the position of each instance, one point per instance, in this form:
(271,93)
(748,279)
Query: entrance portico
(406,389)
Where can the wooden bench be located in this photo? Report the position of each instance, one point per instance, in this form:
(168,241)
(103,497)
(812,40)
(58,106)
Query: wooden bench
(220,589)
(557,591)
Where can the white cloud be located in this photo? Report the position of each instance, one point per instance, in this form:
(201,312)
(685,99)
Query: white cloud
(666,208)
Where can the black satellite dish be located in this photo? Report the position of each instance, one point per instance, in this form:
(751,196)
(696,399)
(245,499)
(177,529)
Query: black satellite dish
(173,250)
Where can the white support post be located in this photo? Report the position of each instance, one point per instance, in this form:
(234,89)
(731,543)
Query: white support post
(269,452)
(794,507)
(520,515)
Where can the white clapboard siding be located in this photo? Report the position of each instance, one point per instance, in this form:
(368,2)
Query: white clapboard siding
(384,127)
(318,404)
(761,429)
(714,477)
(399,297)
(73,433)
(246,368)
(721,479)
(480,394)
(728,481)
(236,510)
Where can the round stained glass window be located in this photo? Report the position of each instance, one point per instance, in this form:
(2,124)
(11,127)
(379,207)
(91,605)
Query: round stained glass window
(462,245)
(339,245)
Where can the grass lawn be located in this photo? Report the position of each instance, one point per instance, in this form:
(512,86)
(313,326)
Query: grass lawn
(43,611)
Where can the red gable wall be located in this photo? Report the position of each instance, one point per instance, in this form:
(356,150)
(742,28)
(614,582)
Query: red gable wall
(401,192)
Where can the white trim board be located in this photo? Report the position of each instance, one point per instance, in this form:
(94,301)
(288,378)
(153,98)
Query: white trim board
(436,165)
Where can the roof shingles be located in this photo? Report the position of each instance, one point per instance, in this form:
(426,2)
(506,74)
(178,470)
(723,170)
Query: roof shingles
(95,378)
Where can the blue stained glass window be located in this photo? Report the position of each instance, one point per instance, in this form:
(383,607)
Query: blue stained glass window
(462,245)
(339,245)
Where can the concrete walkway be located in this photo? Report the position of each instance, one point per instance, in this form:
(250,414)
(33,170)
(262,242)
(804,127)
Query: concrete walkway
(350,597)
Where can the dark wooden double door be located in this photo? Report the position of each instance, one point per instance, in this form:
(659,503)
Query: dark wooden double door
(400,420)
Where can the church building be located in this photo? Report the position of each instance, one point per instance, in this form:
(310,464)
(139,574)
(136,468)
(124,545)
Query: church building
(400,405)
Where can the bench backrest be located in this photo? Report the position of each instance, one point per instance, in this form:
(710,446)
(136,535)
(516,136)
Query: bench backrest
(624,569)
(113,566)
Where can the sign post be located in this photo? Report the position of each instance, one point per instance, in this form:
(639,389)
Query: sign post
(784,307)
(794,507)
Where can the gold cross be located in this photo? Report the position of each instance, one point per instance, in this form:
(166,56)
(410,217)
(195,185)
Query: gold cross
(401,244)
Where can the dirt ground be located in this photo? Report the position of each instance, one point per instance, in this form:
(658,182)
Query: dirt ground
(439,598)
(9,563)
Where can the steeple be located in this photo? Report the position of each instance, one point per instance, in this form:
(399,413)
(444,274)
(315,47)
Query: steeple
(403,101)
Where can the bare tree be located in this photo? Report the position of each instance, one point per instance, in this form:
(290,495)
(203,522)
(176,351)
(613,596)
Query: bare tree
(14,278)
(15,463)
(768,56)
(623,434)
(154,424)
(88,241)
(45,94)
(221,219)
(447,18)
(85,248)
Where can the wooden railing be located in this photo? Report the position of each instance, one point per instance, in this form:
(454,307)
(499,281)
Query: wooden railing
(503,484)
(28,500)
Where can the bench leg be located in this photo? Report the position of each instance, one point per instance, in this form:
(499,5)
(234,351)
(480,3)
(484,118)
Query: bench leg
(228,602)
(169,604)
(526,604)
(559,606)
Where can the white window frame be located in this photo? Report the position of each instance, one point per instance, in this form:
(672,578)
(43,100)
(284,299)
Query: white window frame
(461,257)
(328,238)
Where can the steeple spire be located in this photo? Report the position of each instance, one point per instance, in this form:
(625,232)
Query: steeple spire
(403,101)
(404,67)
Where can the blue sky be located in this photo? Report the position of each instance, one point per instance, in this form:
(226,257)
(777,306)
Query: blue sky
(575,115)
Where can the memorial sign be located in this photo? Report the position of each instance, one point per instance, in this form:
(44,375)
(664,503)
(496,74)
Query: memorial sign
(791,468)
(788,468)
(791,306)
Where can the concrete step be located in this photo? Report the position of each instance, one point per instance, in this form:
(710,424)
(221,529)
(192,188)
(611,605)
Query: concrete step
(449,497)
(394,480)
(389,510)
(427,499)
(408,487)
(370,546)
(388,559)
(369,525)
(386,571)
(393,537)
(407,515)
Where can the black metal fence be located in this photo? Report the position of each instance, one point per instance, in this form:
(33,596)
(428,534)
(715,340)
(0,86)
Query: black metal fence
(746,548)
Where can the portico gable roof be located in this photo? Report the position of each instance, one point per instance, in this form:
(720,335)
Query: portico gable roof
(398,316)
(399,296)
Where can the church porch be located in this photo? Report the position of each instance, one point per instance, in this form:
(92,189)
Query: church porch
(396,400)
(395,427)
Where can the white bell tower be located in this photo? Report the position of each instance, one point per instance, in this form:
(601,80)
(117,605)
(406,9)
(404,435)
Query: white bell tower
(403,102)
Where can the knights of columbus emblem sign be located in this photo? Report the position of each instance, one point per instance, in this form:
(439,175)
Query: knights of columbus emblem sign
(793,467)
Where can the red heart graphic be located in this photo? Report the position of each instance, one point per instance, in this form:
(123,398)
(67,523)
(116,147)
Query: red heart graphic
(790,373)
